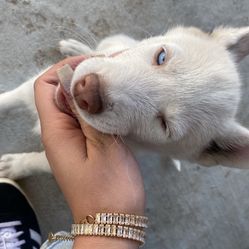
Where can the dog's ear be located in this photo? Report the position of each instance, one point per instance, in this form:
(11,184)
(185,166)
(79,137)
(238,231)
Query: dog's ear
(236,40)
(231,148)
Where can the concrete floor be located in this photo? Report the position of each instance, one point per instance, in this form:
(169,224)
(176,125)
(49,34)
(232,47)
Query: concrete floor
(198,208)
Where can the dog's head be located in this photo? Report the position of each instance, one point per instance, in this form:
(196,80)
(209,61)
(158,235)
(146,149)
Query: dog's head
(180,90)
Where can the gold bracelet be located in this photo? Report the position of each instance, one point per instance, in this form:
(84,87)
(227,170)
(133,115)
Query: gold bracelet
(108,231)
(126,226)
(120,219)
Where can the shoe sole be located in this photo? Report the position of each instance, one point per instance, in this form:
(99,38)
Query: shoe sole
(14,184)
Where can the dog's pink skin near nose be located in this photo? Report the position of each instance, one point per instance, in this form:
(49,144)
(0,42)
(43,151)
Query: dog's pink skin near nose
(87,94)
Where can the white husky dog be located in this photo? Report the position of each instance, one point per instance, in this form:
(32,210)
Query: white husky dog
(177,94)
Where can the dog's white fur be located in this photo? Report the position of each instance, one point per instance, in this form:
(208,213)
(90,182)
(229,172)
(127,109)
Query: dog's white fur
(197,92)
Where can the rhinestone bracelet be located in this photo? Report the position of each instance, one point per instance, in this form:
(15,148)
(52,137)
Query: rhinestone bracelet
(126,226)
(109,231)
(120,219)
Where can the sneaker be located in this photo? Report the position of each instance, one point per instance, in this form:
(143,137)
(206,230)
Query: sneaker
(19,228)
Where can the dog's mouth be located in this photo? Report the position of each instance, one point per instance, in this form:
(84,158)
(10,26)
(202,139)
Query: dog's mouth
(62,102)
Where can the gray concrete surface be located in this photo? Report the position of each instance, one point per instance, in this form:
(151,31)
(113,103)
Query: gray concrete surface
(198,208)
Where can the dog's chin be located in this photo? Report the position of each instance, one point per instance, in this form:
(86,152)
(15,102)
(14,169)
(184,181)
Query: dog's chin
(61,101)
(102,126)
(108,129)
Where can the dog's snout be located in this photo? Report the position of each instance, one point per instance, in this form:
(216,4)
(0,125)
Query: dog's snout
(87,94)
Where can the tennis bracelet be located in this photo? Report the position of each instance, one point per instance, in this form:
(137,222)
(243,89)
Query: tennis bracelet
(123,226)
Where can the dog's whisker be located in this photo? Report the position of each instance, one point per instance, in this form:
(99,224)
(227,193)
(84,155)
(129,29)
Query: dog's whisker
(93,39)
(80,37)
(72,33)
(114,139)
(122,139)
(88,34)
(146,32)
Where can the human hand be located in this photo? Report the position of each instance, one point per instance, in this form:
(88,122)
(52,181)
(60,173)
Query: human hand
(96,172)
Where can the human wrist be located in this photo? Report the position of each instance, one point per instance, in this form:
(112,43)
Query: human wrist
(107,203)
(80,214)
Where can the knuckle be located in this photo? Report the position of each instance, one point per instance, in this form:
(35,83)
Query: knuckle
(37,83)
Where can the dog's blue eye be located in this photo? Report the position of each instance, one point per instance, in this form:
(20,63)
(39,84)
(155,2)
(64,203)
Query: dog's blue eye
(161,58)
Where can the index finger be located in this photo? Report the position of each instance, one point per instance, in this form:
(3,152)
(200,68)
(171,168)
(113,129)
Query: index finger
(45,87)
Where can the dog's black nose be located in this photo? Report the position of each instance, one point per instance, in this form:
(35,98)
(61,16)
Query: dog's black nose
(87,94)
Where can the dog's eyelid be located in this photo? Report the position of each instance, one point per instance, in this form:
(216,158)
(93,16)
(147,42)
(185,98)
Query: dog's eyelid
(164,47)
(161,49)
(163,121)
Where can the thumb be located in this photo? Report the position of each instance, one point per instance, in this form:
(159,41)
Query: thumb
(96,139)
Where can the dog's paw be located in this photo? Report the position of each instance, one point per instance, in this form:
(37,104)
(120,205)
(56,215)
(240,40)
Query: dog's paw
(12,166)
(72,47)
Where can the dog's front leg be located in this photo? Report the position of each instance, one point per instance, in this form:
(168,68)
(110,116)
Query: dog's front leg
(20,96)
(16,166)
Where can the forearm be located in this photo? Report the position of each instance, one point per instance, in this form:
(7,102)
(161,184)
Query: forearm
(84,242)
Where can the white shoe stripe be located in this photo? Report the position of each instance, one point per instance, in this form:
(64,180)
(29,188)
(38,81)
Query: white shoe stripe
(35,236)
(10,224)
